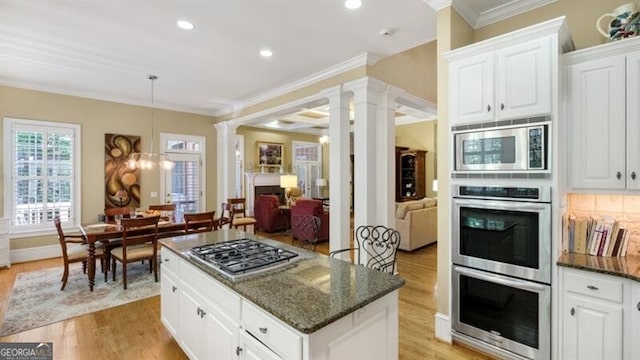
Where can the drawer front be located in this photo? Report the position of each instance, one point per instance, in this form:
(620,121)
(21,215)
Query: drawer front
(170,260)
(594,285)
(270,331)
(211,289)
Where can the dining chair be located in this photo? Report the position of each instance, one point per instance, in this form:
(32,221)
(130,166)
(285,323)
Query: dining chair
(377,247)
(225,215)
(139,242)
(238,215)
(200,222)
(171,208)
(305,228)
(77,253)
(110,213)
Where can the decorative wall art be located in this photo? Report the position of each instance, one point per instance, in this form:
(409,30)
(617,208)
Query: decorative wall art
(270,154)
(117,175)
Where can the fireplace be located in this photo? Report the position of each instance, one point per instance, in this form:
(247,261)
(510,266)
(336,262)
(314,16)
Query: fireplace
(270,190)
(262,183)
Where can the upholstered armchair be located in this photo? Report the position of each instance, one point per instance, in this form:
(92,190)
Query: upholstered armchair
(312,207)
(268,216)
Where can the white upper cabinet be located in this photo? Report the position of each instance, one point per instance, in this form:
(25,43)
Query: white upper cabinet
(633,120)
(604,129)
(471,88)
(523,78)
(507,77)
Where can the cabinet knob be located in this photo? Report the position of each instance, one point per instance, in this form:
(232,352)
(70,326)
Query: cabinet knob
(202,313)
(263,330)
(591,287)
(618,175)
(572,312)
(198,311)
(501,106)
(167,260)
(488,108)
(174,288)
(638,306)
(238,350)
(633,175)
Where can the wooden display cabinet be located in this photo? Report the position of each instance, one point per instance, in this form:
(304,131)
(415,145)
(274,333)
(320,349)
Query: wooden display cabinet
(410,174)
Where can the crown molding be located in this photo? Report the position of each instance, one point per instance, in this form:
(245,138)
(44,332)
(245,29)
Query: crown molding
(366,59)
(557,26)
(56,90)
(613,48)
(438,5)
(498,13)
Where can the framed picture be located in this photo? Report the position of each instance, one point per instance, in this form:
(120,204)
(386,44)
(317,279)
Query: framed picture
(269,154)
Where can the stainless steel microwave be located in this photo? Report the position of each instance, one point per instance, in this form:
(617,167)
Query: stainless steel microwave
(513,149)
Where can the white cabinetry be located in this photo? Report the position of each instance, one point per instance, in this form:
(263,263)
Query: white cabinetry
(169,291)
(598,316)
(5,258)
(209,321)
(603,95)
(634,318)
(511,82)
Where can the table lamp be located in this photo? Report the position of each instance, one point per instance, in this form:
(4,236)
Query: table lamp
(287,182)
(321,184)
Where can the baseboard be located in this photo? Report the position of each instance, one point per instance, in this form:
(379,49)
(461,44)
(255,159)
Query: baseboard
(35,253)
(443,328)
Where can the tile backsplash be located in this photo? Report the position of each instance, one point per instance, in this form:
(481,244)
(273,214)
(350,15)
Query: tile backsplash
(624,208)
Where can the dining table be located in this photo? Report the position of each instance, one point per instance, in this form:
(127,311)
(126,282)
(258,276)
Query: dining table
(110,235)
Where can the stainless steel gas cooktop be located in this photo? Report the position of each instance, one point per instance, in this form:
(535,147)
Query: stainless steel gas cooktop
(240,257)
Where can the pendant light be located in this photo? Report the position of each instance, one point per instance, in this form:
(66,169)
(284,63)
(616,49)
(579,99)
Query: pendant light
(145,161)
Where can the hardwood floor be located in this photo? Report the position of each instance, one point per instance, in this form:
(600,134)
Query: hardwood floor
(134,330)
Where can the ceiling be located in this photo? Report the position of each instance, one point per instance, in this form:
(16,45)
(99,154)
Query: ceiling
(107,49)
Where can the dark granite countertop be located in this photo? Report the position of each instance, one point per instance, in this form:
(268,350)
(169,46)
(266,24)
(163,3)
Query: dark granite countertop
(307,294)
(626,266)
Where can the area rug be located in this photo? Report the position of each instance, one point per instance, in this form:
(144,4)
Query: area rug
(36,299)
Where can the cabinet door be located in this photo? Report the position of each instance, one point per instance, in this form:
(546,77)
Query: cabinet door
(471,92)
(635,320)
(596,131)
(252,349)
(219,334)
(523,80)
(169,300)
(633,121)
(592,329)
(191,326)
(206,332)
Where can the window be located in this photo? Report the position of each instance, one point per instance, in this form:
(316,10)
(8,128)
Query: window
(307,164)
(184,184)
(41,175)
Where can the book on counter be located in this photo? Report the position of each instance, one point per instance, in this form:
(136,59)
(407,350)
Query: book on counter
(591,236)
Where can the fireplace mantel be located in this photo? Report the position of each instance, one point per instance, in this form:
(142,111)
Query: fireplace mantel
(258,179)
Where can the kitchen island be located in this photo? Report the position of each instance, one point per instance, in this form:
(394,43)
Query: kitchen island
(312,308)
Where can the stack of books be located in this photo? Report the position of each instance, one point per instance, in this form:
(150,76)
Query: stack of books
(598,237)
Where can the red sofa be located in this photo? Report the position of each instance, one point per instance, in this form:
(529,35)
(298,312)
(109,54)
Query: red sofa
(268,217)
(313,207)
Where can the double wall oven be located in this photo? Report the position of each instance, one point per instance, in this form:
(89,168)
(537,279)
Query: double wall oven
(501,273)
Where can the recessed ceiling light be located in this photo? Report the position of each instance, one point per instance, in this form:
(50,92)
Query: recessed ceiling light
(184,24)
(352,4)
(266,53)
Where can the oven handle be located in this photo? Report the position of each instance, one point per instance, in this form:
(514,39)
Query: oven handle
(518,284)
(509,205)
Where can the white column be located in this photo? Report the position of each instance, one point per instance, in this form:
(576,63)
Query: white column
(226,159)
(365,156)
(339,151)
(385,156)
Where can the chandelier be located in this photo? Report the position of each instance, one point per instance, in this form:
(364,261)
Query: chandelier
(148,160)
